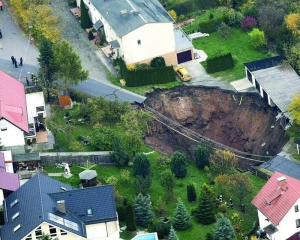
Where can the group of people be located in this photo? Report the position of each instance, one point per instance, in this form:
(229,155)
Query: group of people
(14,61)
(1,8)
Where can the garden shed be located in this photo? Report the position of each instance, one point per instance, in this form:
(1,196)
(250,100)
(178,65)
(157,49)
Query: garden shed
(64,98)
(88,178)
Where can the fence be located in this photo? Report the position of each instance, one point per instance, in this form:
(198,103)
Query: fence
(259,173)
(79,158)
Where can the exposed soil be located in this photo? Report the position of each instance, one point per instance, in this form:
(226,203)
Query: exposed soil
(242,121)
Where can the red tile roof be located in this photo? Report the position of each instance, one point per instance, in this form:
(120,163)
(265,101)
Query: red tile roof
(274,201)
(13,101)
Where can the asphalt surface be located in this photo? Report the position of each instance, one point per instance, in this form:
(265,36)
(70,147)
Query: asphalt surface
(15,43)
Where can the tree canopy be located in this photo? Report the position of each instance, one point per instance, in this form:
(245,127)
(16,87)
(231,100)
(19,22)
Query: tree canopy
(222,162)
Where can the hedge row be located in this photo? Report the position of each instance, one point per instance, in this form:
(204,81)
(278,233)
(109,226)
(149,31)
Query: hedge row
(142,77)
(219,63)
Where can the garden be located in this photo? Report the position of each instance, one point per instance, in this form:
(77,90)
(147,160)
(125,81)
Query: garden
(168,182)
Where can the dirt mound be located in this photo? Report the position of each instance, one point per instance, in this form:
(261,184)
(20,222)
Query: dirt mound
(242,121)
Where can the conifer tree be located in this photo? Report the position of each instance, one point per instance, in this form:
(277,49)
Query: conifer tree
(142,210)
(181,219)
(173,235)
(179,164)
(191,193)
(201,157)
(205,213)
(141,165)
(119,154)
(130,221)
(85,20)
(224,230)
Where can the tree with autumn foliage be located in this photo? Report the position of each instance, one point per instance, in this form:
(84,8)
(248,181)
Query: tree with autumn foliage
(292,22)
(294,108)
(240,185)
(173,15)
(222,162)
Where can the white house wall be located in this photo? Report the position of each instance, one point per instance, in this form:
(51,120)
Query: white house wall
(156,39)
(103,231)
(13,136)
(34,100)
(287,226)
(8,161)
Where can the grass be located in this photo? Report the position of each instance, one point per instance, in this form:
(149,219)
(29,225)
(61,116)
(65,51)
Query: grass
(239,45)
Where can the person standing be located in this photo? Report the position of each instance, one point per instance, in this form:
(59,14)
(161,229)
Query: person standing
(27,81)
(1,34)
(16,63)
(21,62)
(13,60)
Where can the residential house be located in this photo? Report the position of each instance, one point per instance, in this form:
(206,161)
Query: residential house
(20,113)
(139,30)
(276,82)
(13,113)
(45,205)
(277,205)
(9,182)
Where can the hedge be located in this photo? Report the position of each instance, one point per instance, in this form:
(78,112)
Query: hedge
(142,77)
(219,63)
(212,25)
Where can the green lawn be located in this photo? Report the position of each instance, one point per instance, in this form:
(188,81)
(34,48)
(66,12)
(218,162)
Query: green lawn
(240,47)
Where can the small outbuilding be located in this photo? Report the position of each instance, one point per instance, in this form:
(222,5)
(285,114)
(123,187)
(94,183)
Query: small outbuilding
(64,98)
(88,178)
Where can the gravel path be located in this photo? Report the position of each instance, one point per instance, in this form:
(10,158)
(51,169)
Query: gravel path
(77,37)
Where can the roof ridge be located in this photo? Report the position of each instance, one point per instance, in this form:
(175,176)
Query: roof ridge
(40,191)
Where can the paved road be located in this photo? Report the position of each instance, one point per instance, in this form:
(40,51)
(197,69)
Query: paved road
(15,43)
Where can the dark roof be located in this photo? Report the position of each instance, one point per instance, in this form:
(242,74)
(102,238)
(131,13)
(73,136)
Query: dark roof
(8,181)
(263,63)
(87,174)
(37,203)
(98,25)
(284,165)
(114,44)
(125,16)
(26,157)
(99,199)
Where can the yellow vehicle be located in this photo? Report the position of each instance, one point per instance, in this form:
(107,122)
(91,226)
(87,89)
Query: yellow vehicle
(182,73)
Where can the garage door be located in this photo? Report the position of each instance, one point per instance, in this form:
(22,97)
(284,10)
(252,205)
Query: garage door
(184,56)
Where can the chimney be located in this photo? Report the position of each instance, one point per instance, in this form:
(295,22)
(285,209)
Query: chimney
(281,181)
(61,206)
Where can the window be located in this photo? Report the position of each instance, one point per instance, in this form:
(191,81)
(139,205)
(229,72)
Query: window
(89,211)
(3,126)
(15,215)
(14,203)
(17,227)
(38,232)
(139,42)
(52,231)
(296,208)
(62,232)
(298,223)
(29,237)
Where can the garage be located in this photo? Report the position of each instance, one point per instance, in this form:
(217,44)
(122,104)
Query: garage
(184,56)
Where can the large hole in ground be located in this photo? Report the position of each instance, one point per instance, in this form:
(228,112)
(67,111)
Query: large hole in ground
(243,121)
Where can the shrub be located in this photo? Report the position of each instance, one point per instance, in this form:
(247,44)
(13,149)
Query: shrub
(201,157)
(158,62)
(142,210)
(257,38)
(179,164)
(235,18)
(130,221)
(141,165)
(208,26)
(85,21)
(222,208)
(119,154)
(248,23)
(121,212)
(191,193)
(91,35)
(181,218)
(211,16)
(219,63)
(224,30)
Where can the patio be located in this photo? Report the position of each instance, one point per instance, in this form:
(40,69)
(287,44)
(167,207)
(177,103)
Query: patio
(76,12)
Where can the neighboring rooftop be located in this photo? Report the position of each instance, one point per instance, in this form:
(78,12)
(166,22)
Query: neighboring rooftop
(87,174)
(8,181)
(39,200)
(277,197)
(181,40)
(125,16)
(280,81)
(283,165)
(13,102)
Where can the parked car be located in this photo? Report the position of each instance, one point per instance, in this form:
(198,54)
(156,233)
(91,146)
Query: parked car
(182,73)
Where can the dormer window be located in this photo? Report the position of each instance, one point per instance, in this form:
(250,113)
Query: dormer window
(15,215)
(14,203)
(296,208)
(89,211)
(17,227)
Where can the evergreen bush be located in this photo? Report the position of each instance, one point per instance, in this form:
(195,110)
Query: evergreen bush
(181,218)
(219,63)
(119,154)
(179,164)
(91,35)
(130,221)
(85,20)
(141,165)
(191,193)
(222,208)
(173,235)
(158,62)
(142,210)
(121,210)
(201,157)
(224,230)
